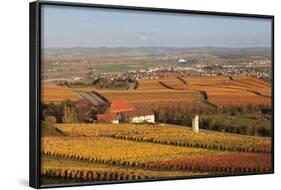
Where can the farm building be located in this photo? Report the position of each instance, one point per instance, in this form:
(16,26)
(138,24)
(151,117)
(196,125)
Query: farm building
(139,116)
(182,61)
(118,106)
(85,110)
(111,118)
(122,111)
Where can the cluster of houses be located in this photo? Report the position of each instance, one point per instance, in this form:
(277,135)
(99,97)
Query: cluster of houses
(118,111)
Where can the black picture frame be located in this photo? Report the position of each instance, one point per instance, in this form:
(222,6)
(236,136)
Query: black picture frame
(34,98)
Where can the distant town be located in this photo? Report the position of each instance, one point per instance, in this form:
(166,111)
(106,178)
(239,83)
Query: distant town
(259,69)
(140,66)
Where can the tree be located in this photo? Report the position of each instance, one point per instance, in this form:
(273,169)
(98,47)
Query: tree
(252,130)
(69,112)
(262,131)
(215,126)
(51,119)
(205,123)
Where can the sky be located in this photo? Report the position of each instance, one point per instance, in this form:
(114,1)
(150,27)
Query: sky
(65,27)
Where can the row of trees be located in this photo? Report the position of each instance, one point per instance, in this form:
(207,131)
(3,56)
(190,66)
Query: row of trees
(57,113)
(127,83)
(180,115)
(178,111)
(63,113)
(238,129)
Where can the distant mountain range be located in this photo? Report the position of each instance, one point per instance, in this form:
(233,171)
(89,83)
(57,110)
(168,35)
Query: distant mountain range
(159,50)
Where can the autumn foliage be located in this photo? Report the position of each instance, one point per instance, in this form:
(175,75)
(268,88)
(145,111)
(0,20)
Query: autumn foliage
(224,162)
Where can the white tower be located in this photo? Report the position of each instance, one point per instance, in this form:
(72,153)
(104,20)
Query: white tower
(195,124)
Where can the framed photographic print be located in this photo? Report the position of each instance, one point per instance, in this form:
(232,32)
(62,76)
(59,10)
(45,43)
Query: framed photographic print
(132,94)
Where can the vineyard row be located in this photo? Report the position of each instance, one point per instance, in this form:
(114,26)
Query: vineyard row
(198,168)
(92,175)
(191,167)
(194,145)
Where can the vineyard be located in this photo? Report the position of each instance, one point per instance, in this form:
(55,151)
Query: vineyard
(55,94)
(167,148)
(235,91)
(106,152)
(170,135)
(152,97)
(225,162)
(84,170)
(109,150)
(220,90)
(150,85)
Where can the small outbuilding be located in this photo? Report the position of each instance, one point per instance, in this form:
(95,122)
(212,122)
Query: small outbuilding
(195,124)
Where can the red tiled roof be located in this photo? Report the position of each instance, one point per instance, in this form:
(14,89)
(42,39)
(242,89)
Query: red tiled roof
(107,117)
(120,106)
(138,112)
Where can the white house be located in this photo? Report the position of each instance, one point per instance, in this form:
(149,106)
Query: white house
(140,119)
(182,61)
(139,116)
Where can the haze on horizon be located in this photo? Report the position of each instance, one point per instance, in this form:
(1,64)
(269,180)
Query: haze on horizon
(68,27)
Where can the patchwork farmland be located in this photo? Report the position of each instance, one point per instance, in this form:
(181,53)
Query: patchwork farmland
(175,90)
